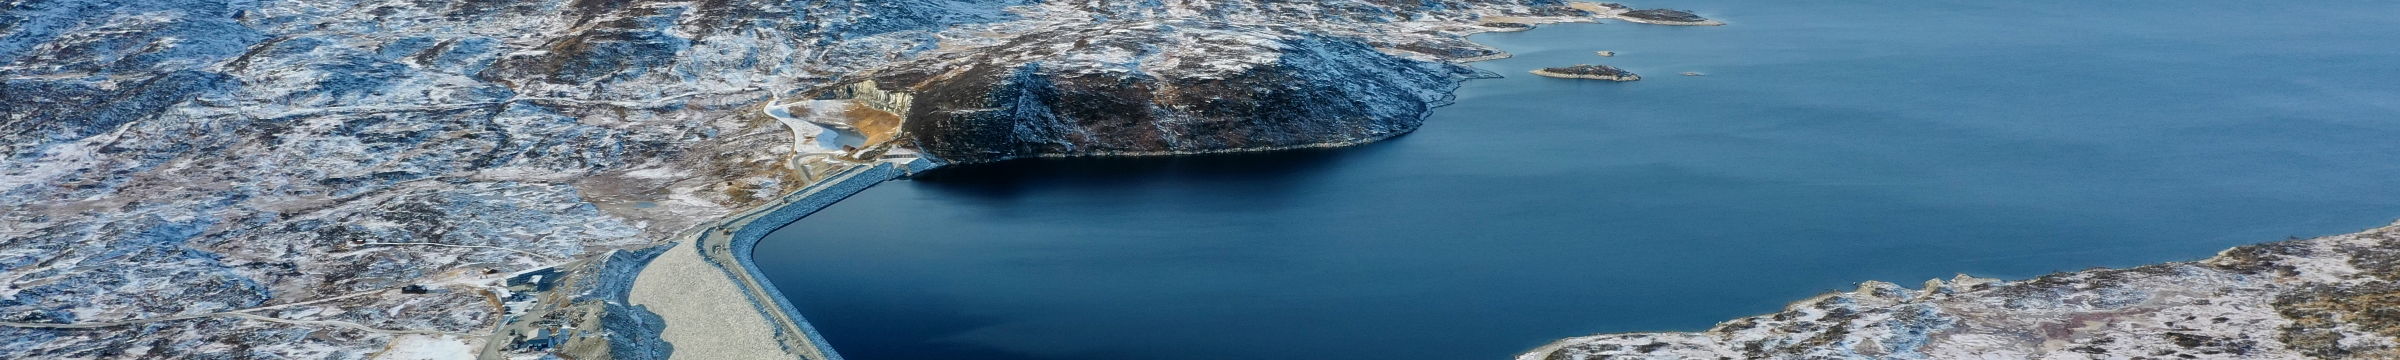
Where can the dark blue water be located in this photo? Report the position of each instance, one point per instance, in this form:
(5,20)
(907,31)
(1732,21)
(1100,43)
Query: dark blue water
(1831,142)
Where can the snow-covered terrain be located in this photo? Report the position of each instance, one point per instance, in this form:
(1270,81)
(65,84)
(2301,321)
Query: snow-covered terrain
(2336,297)
(350,179)
(364,178)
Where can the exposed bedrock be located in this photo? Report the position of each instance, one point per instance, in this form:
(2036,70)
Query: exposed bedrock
(1161,89)
(1670,15)
(2336,297)
(1588,71)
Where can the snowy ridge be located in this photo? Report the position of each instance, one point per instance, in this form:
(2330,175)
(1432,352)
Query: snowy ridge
(2318,298)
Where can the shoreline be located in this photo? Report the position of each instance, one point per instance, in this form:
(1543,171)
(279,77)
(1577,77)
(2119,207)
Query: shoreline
(2259,296)
(1501,55)
(1599,10)
(739,236)
(1669,23)
(681,286)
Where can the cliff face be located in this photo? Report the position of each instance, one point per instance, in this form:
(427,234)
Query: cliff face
(323,179)
(2332,297)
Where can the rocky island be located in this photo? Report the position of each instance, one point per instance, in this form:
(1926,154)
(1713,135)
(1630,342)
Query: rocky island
(1588,71)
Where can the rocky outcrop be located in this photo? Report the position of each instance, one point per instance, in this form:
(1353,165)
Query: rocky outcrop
(1149,80)
(1648,16)
(2331,297)
(1167,99)
(1508,26)
(1588,71)
(579,310)
(1665,15)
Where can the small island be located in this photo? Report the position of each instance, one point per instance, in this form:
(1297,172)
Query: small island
(1589,71)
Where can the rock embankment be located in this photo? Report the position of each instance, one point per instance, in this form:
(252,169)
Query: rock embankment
(2331,297)
(1589,71)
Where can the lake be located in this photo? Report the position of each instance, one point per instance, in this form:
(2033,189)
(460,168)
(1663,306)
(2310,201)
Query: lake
(1829,143)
